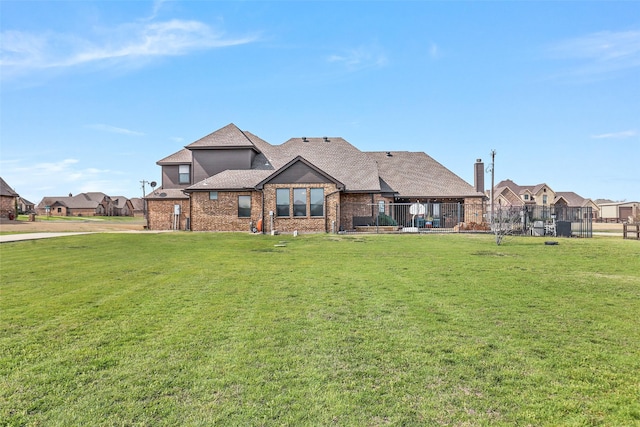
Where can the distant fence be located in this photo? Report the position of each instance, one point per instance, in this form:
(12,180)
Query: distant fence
(631,231)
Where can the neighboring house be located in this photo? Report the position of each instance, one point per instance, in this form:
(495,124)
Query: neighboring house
(8,200)
(138,206)
(85,204)
(25,206)
(507,194)
(120,206)
(620,212)
(231,180)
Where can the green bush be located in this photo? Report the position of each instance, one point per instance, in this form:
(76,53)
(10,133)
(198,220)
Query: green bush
(386,220)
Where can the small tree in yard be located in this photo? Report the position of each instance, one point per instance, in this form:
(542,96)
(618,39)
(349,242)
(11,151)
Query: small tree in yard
(507,221)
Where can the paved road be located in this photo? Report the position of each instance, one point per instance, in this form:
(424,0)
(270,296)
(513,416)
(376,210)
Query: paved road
(33,236)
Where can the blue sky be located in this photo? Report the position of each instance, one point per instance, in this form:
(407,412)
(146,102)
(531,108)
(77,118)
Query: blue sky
(94,93)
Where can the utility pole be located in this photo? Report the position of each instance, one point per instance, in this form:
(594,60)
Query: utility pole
(493,161)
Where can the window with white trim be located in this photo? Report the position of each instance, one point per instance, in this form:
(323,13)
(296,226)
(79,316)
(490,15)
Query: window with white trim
(184,175)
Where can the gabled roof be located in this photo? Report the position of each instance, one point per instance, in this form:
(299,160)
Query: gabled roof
(509,195)
(119,201)
(6,190)
(414,174)
(231,180)
(180,157)
(404,174)
(337,158)
(300,159)
(571,198)
(79,201)
(227,137)
(138,203)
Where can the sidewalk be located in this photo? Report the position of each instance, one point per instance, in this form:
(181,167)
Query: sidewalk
(6,238)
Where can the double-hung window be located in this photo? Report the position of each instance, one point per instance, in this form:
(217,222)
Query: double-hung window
(282,201)
(299,202)
(316,201)
(184,174)
(244,206)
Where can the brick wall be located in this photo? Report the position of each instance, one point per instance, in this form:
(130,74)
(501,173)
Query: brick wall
(359,205)
(222,214)
(306,224)
(7,205)
(161,214)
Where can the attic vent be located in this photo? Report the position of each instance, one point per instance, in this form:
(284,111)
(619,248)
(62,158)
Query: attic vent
(389,154)
(326,139)
(304,139)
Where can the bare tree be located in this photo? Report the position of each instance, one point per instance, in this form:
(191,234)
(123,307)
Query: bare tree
(508,221)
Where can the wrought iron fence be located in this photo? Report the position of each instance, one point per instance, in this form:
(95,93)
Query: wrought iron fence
(412,217)
(464,217)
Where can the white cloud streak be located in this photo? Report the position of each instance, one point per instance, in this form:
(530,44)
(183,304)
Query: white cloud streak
(360,58)
(616,135)
(22,52)
(600,54)
(113,129)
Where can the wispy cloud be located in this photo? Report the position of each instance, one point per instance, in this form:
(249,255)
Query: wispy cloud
(129,43)
(599,55)
(113,129)
(58,178)
(616,135)
(360,58)
(434,51)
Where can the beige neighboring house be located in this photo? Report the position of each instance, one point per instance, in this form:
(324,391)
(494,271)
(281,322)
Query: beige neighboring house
(508,193)
(25,206)
(232,180)
(571,199)
(138,206)
(620,212)
(85,204)
(8,200)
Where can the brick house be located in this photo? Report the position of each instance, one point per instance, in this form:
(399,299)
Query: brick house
(232,180)
(86,204)
(507,193)
(8,200)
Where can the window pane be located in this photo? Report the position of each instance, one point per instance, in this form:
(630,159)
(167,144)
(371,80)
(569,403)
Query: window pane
(213,195)
(299,202)
(244,206)
(282,202)
(316,198)
(183,174)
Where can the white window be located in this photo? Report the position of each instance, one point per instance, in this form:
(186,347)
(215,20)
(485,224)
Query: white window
(183,174)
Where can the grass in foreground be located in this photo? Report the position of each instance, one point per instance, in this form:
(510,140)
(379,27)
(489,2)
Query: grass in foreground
(230,329)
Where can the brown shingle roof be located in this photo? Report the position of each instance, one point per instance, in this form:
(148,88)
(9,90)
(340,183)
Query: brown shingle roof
(227,137)
(232,180)
(180,157)
(6,190)
(339,159)
(415,174)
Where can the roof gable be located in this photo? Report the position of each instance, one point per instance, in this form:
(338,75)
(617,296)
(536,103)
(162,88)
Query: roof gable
(227,137)
(337,158)
(303,170)
(6,190)
(180,157)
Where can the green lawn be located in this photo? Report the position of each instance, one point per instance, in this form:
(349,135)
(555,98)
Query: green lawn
(247,330)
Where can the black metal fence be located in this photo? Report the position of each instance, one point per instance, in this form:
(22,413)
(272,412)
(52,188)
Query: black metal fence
(461,217)
(412,217)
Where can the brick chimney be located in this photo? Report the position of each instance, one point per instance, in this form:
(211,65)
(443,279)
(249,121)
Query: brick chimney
(478,176)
